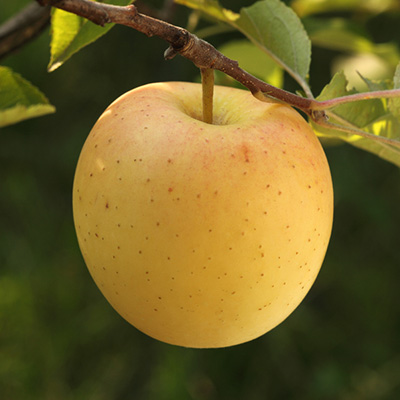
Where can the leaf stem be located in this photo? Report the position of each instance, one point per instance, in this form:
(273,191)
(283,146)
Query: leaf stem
(207,84)
(327,104)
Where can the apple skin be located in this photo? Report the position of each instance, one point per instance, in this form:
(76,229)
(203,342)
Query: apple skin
(202,235)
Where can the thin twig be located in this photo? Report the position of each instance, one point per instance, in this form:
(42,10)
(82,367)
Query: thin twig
(326,104)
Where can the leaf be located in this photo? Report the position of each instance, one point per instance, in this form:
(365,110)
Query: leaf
(338,34)
(211,8)
(394,104)
(254,61)
(358,113)
(376,85)
(344,35)
(70,33)
(371,116)
(277,30)
(271,26)
(308,7)
(19,99)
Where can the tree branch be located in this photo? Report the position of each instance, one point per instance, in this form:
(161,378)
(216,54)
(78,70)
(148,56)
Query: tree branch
(22,28)
(205,56)
(182,42)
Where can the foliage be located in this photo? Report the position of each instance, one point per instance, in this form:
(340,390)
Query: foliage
(278,31)
(19,99)
(71,33)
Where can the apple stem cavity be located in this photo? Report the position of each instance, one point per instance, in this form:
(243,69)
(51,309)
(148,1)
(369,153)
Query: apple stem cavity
(207,83)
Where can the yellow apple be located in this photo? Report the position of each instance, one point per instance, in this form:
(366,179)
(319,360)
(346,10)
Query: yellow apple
(202,235)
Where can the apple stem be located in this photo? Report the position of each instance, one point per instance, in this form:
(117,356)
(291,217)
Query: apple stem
(207,84)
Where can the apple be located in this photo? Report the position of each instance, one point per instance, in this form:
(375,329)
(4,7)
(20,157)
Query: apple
(202,235)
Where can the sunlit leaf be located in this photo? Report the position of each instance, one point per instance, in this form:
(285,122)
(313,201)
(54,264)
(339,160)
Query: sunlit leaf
(70,33)
(254,61)
(308,7)
(394,104)
(372,116)
(211,8)
(19,99)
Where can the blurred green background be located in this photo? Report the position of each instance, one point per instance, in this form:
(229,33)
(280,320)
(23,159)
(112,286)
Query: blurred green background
(60,339)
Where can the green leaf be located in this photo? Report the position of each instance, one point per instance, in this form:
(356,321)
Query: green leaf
(276,29)
(359,113)
(376,85)
(19,99)
(344,35)
(308,7)
(70,33)
(254,61)
(371,116)
(211,8)
(271,26)
(338,34)
(394,104)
